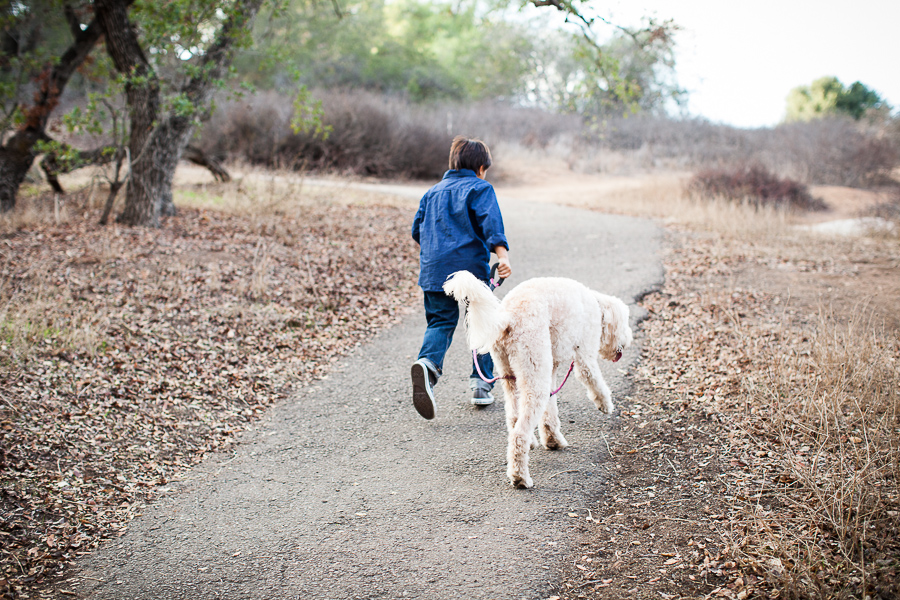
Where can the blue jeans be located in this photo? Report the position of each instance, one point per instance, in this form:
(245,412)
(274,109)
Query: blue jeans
(442,315)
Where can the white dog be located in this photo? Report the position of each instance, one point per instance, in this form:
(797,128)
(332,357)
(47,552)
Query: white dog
(534,335)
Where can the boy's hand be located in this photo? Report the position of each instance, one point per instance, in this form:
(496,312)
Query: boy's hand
(504,269)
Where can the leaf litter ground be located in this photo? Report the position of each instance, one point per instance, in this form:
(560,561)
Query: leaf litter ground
(129,354)
(722,486)
(145,350)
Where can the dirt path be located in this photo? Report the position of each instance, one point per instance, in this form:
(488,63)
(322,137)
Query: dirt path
(345,492)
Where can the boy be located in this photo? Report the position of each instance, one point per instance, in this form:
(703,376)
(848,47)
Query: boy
(457,226)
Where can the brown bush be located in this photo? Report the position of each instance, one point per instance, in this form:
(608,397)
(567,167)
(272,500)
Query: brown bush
(836,151)
(369,135)
(376,135)
(890,208)
(753,184)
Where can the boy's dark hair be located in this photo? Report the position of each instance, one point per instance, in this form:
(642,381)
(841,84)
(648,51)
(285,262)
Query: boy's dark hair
(469,154)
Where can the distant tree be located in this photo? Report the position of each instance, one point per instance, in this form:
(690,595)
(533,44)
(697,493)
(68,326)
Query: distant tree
(42,45)
(827,96)
(857,100)
(630,73)
(169,56)
(467,50)
(427,50)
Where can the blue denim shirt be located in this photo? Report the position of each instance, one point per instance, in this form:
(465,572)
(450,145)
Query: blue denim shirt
(456,226)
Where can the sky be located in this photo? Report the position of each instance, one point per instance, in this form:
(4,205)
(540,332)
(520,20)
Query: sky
(739,60)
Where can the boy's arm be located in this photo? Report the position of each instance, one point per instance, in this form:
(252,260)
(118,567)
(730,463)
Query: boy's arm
(504,269)
(417,221)
(486,218)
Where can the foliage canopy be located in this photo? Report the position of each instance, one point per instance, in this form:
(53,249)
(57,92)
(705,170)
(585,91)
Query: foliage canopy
(827,96)
(464,50)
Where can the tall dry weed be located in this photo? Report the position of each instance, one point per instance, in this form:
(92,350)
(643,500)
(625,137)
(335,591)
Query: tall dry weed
(261,265)
(833,409)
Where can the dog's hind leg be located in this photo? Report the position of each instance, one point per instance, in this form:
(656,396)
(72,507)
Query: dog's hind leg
(510,391)
(551,437)
(520,442)
(533,386)
(587,369)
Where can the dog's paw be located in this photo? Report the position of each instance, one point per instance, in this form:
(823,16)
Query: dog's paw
(606,406)
(521,482)
(556,442)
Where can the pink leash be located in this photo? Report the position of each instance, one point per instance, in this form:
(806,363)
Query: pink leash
(513,377)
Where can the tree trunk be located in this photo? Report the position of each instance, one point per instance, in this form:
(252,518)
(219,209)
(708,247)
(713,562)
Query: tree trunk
(158,142)
(149,192)
(110,199)
(142,94)
(17,156)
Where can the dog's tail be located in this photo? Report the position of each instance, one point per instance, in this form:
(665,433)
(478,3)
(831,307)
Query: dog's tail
(483,316)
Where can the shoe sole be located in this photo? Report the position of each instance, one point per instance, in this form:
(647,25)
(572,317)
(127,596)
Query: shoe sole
(423,400)
(482,401)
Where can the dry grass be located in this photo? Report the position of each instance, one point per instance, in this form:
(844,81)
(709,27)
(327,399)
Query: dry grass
(50,315)
(46,315)
(833,416)
(808,386)
(661,197)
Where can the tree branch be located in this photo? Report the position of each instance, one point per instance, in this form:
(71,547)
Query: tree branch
(54,82)
(215,60)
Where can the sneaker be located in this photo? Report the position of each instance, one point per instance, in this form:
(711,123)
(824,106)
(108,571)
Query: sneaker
(423,381)
(482,397)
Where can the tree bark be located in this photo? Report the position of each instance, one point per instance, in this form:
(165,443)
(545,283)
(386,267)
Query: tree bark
(142,94)
(158,141)
(17,155)
(110,199)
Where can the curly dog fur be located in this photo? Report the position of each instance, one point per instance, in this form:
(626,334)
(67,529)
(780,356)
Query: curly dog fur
(533,335)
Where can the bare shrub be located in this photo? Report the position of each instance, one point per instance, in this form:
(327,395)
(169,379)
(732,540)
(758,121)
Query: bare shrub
(889,210)
(836,151)
(497,122)
(753,184)
(371,135)
(381,136)
(834,412)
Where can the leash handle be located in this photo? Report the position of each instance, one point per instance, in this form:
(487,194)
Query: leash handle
(495,282)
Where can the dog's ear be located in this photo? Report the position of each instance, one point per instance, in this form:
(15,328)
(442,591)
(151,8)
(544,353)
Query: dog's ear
(616,332)
(607,314)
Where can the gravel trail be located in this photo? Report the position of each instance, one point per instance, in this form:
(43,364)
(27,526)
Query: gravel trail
(345,492)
